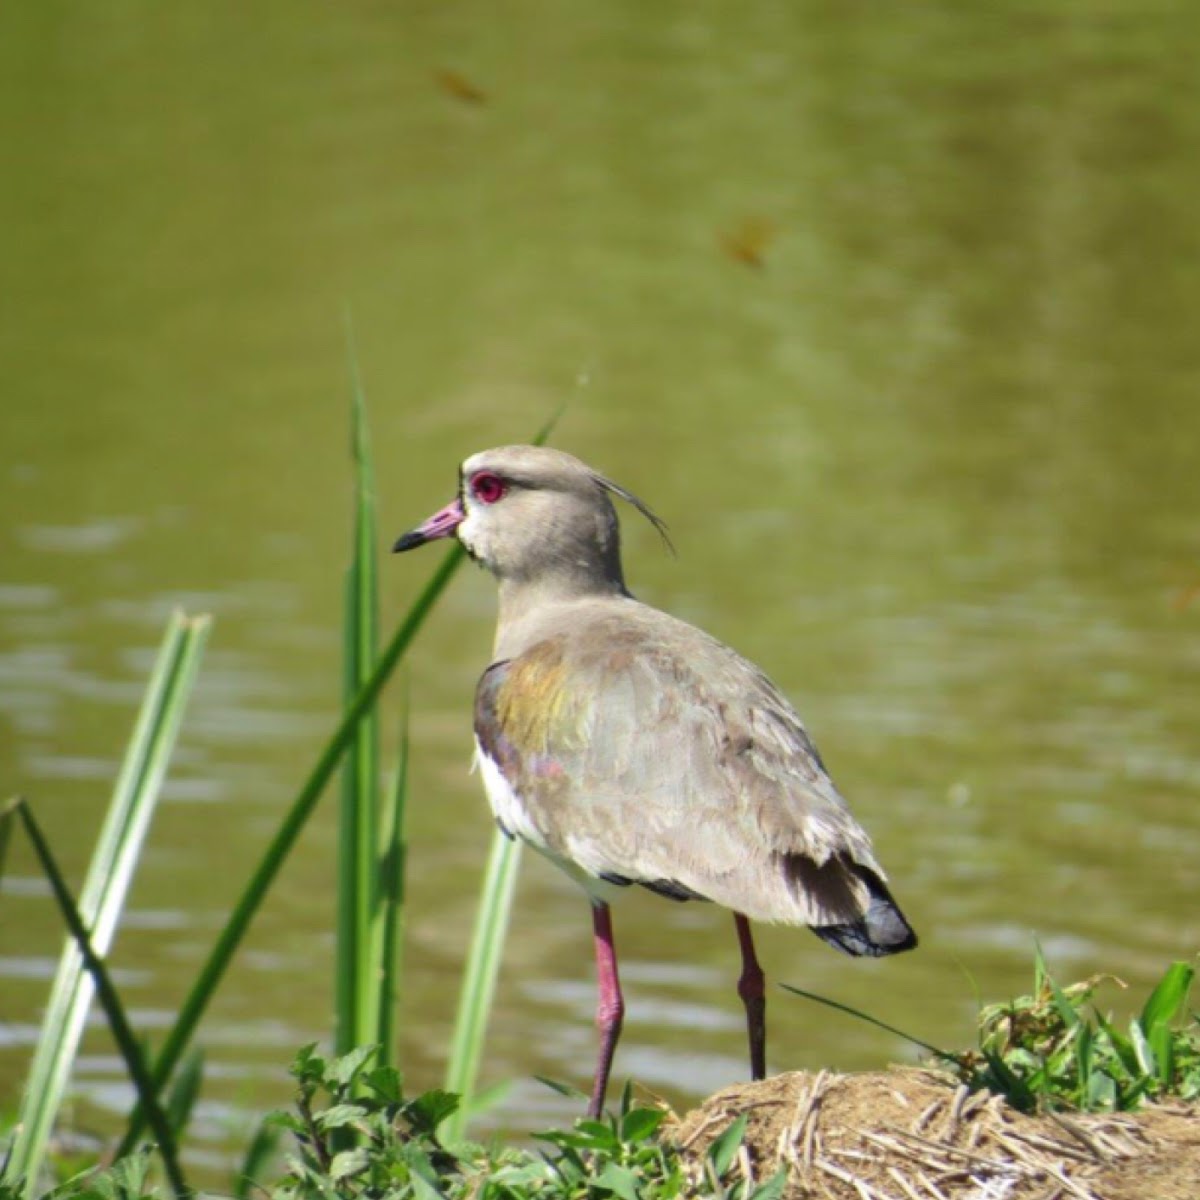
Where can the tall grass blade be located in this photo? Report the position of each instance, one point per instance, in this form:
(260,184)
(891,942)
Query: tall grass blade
(106,885)
(391,881)
(122,1032)
(294,821)
(359,917)
(7,818)
(285,837)
(543,435)
(184,1091)
(262,1148)
(479,980)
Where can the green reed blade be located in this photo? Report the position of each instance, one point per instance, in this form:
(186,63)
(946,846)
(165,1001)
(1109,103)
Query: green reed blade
(392,879)
(359,917)
(114,1010)
(185,1091)
(102,899)
(110,1001)
(479,979)
(259,1154)
(285,837)
(260,881)
(6,825)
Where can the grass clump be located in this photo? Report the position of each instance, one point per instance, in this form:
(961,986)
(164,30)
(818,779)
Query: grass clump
(1056,1049)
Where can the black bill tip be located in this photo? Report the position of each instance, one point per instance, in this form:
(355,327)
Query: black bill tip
(409,541)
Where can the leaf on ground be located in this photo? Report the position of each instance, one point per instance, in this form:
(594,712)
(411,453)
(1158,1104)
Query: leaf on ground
(721,1153)
(772,1189)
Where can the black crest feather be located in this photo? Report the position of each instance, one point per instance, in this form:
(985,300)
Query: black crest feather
(625,494)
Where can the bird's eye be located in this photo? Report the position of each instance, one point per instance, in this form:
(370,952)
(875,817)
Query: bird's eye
(487,487)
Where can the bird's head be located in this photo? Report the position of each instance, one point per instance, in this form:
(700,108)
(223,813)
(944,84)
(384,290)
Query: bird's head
(532,515)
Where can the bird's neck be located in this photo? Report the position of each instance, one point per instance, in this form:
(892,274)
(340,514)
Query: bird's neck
(530,609)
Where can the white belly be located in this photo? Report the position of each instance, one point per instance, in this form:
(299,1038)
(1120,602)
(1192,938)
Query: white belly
(506,804)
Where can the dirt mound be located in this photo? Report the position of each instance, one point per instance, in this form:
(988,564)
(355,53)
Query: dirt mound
(910,1134)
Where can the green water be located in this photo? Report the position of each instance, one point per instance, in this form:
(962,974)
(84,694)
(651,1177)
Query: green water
(931,461)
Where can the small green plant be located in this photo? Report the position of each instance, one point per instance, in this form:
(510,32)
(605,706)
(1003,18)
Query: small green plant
(1056,1048)
(619,1156)
(396,1150)
(126,1179)
(358,1135)
(623,1156)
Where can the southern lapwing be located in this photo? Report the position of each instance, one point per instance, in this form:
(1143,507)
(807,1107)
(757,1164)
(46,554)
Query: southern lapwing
(630,747)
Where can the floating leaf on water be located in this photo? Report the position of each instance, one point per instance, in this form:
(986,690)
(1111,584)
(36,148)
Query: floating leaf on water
(455,84)
(747,241)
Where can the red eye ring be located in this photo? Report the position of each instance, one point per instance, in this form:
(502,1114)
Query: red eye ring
(488,487)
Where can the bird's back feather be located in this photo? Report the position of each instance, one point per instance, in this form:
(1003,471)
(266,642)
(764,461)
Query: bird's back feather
(640,750)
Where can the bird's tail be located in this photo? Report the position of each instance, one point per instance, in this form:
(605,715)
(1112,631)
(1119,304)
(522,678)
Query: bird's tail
(882,930)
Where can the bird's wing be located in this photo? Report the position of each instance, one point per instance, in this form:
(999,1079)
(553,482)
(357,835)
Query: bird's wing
(644,751)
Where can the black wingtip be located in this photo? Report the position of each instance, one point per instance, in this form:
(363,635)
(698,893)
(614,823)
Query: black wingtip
(860,941)
(884,930)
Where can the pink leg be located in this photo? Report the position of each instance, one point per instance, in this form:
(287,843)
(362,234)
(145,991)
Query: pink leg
(610,1011)
(751,988)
